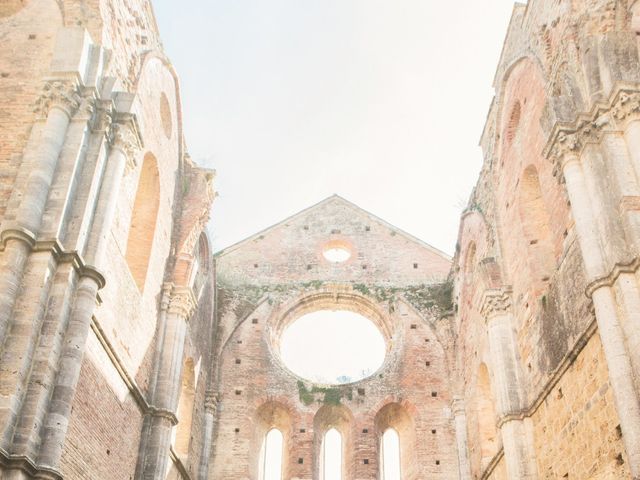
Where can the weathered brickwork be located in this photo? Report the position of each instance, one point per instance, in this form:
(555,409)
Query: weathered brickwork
(129,350)
(391,278)
(576,427)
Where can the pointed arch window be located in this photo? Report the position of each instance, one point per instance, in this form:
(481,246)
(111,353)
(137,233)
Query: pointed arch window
(535,220)
(331,464)
(390,455)
(271,464)
(143,221)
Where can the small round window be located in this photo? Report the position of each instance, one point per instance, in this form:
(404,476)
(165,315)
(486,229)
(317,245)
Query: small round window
(336,252)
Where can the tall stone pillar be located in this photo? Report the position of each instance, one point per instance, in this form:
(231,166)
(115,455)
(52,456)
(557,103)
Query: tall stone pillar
(56,105)
(519,457)
(27,437)
(56,422)
(125,142)
(619,152)
(158,424)
(607,315)
(460,424)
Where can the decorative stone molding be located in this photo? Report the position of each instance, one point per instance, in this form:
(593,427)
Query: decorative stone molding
(163,413)
(609,279)
(495,302)
(613,115)
(211,400)
(626,106)
(28,467)
(57,251)
(87,108)
(124,135)
(178,300)
(63,94)
(457,406)
(103,118)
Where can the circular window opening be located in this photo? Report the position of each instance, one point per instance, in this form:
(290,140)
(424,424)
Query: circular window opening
(332,347)
(165,115)
(336,252)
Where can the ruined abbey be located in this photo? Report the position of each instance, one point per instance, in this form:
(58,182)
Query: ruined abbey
(130,350)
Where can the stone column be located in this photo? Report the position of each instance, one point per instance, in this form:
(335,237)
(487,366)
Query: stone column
(609,327)
(57,420)
(623,174)
(124,146)
(460,424)
(519,457)
(210,410)
(57,104)
(620,154)
(28,432)
(162,417)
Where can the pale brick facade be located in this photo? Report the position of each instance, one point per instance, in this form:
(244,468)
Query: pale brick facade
(128,350)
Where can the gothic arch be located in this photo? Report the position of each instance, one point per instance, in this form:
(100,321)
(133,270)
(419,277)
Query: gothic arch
(177,107)
(268,416)
(143,221)
(340,418)
(395,415)
(534,218)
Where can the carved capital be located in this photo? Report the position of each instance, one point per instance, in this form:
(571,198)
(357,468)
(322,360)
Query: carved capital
(103,119)
(87,108)
(572,143)
(63,94)
(457,406)
(211,400)
(495,302)
(622,107)
(626,106)
(181,302)
(123,136)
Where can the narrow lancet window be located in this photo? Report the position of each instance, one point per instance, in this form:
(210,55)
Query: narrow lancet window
(332,456)
(272,456)
(390,455)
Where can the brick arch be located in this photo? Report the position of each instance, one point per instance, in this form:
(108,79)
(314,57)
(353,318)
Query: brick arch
(470,260)
(396,416)
(176,109)
(143,221)
(513,108)
(340,418)
(271,414)
(534,217)
(331,297)
(524,180)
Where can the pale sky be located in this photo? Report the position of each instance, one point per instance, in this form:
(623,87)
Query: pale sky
(380,101)
(325,345)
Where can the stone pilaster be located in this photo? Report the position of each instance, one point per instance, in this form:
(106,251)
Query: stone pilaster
(460,424)
(156,435)
(56,105)
(519,455)
(606,309)
(124,140)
